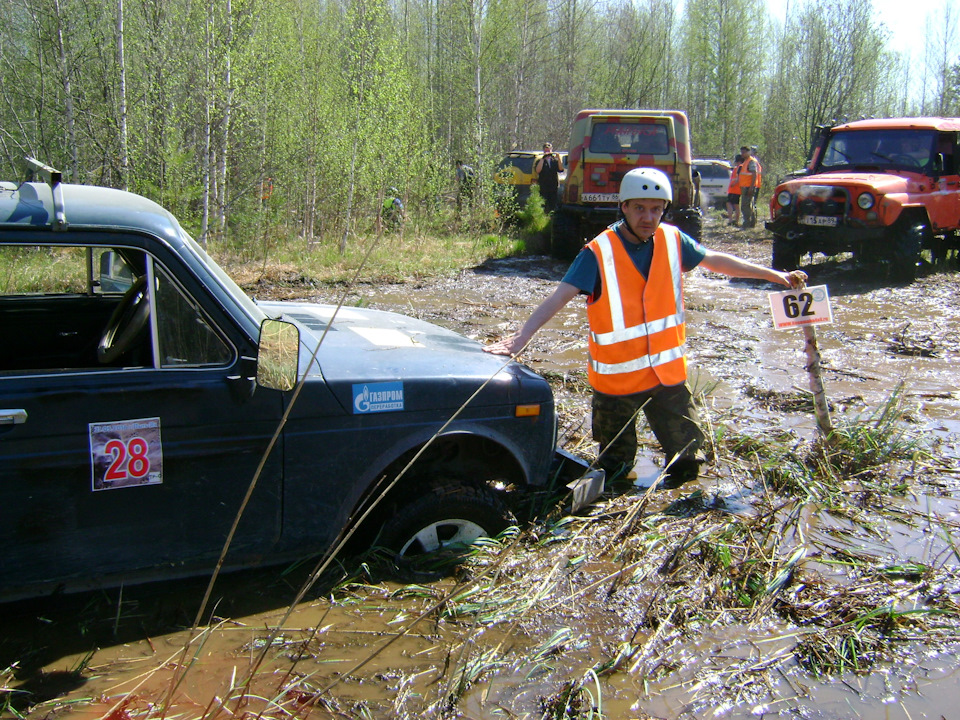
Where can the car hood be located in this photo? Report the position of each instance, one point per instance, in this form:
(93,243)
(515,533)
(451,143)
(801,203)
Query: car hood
(881,183)
(368,352)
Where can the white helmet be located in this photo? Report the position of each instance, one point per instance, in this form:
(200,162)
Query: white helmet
(645,183)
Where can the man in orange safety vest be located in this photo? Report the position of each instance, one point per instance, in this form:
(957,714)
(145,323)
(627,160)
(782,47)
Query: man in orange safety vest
(632,277)
(750,176)
(733,193)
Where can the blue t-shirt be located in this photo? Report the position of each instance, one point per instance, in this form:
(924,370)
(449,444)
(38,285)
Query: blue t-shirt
(584,273)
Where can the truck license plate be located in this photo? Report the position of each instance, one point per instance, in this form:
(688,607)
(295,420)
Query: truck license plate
(600,197)
(829,220)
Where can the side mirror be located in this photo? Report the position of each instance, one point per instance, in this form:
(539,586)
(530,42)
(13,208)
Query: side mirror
(115,275)
(938,164)
(278,355)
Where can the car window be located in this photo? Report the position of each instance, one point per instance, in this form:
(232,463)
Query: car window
(710,170)
(878,148)
(184,335)
(62,300)
(523,163)
(39,270)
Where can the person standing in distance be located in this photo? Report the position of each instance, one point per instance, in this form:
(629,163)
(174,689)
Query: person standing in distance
(548,169)
(733,192)
(466,183)
(632,277)
(749,176)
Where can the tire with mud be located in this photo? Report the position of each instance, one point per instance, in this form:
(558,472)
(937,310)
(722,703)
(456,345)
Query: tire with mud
(689,221)
(566,236)
(785,256)
(447,516)
(907,241)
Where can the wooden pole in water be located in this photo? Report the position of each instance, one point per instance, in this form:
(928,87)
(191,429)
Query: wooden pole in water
(816,381)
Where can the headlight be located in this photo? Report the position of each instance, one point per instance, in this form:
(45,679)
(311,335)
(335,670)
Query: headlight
(784,198)
(865,201)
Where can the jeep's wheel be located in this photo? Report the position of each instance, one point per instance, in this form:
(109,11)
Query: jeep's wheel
(566,240)
(907,242)
(445,517)
(786,256)
(690,222)
(694,227)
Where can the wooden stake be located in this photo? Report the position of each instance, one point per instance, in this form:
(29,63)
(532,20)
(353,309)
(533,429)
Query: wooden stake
(816,381)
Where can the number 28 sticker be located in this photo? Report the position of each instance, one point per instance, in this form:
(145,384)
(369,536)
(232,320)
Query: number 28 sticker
(125,453)
(806,306)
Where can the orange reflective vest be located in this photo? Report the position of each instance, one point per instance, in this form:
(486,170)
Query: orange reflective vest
(733,188)
(637,329)
(747,178)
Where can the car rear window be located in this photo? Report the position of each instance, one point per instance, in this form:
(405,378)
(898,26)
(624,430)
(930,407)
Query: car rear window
(630,139)
(713,171)
(522,163)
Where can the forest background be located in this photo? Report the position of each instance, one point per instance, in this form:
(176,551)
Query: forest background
(289,119)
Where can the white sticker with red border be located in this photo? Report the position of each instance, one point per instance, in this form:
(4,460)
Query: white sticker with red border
(806,306)
(126,453)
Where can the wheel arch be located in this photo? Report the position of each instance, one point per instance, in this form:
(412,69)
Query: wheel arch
(462,456)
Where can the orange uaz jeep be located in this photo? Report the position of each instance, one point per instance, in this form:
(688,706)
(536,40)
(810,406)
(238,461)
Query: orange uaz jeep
(881,189)
(604,146)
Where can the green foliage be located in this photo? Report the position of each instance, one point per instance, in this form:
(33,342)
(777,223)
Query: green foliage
(534,223)
(211,105)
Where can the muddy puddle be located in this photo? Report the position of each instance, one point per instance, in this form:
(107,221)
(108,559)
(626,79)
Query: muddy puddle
(608,612)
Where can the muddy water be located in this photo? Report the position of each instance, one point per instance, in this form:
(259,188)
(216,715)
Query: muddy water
(91,651)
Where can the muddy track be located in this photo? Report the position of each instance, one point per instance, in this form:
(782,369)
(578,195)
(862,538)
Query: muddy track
(882,335)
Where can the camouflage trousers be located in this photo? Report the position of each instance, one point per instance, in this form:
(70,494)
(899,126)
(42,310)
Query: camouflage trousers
(672,417)
(748,206)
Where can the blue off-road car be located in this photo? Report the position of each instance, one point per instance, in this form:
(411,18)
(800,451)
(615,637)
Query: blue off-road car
(141,389)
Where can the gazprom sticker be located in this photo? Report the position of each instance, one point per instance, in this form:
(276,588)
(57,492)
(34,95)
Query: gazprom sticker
(378,397)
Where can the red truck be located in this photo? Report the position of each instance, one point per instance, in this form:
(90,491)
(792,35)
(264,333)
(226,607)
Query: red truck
(886,189)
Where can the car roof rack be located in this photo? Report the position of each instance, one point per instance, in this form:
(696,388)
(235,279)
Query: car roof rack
(53,178)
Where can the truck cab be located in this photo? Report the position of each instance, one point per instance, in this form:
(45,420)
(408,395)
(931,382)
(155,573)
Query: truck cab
(885,189)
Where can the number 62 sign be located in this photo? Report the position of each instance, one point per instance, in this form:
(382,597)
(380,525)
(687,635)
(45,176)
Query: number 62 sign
(804,306)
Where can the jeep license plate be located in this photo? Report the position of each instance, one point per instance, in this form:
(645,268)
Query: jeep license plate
(600,197)
(828,220)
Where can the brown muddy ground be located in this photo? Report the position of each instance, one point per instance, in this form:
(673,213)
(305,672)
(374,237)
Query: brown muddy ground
(610,610)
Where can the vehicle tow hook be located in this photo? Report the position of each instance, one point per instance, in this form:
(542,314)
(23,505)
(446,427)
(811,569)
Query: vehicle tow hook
(585,482)
(586,488)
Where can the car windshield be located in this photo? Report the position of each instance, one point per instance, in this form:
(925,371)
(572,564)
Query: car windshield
(244,300)
(879,148)
(630,139)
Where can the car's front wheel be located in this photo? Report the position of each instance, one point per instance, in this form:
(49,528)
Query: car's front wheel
(447,516)
(786,256)
(908,239)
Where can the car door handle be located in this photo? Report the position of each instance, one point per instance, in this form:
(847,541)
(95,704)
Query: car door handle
(13,417)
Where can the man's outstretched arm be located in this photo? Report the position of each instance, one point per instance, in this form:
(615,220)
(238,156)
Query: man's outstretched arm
(512,345)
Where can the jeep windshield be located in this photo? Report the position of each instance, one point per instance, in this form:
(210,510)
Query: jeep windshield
(879,150)
(624,138)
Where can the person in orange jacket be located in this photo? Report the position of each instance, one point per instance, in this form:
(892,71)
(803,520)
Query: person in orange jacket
(733,192)
(750,177)
(632,277)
